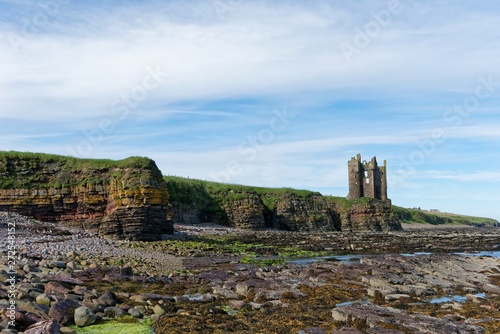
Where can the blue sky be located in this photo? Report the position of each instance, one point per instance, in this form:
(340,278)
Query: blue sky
(264,93)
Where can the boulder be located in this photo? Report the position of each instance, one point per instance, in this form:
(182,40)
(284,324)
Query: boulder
(107,299)
(84,317)
(43,299)
(133,312)
(63,312)
(159,310)
(113,312)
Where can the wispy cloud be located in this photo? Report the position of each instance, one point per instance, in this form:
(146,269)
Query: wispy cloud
(475,176)
(228,73)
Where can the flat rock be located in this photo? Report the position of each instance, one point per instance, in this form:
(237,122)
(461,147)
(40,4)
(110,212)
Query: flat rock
(347,330)
(67,330)
(56,287)
(64,279)
(44,327)
(226,293)
(236,304)
(396,296)
(375,315)
(491,288)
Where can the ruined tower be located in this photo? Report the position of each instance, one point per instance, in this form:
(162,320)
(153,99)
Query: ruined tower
(367,179)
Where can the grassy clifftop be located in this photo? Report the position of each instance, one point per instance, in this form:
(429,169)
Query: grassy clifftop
(438,218)
(121,199)
(210,196)
(197,201)
(37,170)
(200,193)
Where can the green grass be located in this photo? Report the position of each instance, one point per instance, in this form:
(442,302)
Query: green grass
(125,325)
(26,170)
(413,216)
(212,196)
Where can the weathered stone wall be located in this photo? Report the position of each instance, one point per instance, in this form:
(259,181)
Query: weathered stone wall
(126,199)
(367,179)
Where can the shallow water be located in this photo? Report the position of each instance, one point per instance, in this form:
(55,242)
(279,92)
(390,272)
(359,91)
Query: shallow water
(415,254)
(335,258)
(195,297)
(357,258)
(351,303)
(456,298)
(495,254)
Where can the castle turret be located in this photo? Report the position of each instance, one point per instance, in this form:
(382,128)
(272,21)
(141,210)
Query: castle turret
(355,169)
(367,179)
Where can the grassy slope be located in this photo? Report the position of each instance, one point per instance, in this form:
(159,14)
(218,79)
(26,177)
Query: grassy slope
(63,166)
(208,194)
(437,218)
(189,192)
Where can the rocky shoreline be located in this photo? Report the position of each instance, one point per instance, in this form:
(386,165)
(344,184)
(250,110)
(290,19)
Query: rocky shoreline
(192,283)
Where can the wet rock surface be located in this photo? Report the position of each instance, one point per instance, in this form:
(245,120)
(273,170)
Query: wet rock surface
(65,277)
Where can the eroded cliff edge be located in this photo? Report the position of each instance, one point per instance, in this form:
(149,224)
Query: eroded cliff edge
(124,199)
(130,199)
(196,201)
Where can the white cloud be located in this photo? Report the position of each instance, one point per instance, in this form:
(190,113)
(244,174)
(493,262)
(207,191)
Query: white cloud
(258,49)
(475,176)
(62,82)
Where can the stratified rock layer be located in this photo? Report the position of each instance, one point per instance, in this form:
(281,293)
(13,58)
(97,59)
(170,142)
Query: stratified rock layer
(195,202)
(124,199)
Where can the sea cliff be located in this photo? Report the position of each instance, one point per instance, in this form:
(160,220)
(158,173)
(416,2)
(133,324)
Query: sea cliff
(196,201)
(124,199)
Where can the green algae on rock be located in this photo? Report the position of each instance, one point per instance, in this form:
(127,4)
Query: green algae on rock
(125,325)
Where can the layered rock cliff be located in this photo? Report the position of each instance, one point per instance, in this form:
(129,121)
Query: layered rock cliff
(195,202)
(129,199)
(124,199)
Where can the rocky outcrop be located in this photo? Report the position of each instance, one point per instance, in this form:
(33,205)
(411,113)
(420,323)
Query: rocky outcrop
(283,209)
(310,213)
(372,215)
(124,199)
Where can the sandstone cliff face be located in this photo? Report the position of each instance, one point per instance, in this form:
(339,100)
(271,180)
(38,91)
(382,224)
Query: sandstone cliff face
(284,209)
(372,215)
(124,199)
(310,213)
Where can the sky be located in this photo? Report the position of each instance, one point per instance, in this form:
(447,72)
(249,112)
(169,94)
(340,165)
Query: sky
(264,93)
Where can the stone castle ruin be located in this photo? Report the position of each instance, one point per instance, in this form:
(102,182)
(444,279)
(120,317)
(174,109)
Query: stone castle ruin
(367,179)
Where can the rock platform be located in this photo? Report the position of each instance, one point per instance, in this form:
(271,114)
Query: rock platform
(190,283)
